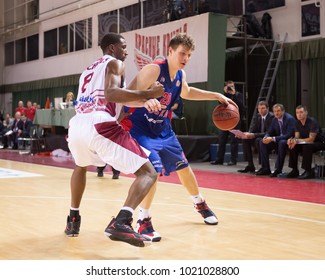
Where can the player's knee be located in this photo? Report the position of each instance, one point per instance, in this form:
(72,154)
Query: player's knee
(149,171)
(152,174)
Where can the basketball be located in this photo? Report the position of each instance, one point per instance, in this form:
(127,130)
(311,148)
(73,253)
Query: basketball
(225,117)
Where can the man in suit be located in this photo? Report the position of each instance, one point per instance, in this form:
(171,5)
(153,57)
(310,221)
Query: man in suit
(282,128)
(308,140)
(262,124)
(24,126)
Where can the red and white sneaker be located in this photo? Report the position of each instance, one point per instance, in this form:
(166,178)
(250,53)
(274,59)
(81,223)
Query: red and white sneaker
(209,217)
(145,228)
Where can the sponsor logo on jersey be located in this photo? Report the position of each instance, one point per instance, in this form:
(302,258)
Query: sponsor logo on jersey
(86,99)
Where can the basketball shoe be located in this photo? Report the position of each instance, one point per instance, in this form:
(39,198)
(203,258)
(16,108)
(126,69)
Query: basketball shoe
(100,171)
(144,227)
(121,230)
(209,217)
(73,226)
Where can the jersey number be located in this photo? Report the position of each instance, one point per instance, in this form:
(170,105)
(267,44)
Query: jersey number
(166,99)
(87,80)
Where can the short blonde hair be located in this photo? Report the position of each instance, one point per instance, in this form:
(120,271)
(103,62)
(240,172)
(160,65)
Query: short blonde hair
(69,96)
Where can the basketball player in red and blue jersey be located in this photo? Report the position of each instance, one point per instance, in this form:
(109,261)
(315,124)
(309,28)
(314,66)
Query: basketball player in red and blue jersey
(96,138)
(154,132)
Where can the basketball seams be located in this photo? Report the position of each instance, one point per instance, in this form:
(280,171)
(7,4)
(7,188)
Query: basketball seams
(225,118)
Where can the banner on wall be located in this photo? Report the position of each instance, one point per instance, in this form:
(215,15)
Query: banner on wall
(149,44)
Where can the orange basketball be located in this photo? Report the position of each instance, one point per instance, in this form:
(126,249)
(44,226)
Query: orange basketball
(225,117)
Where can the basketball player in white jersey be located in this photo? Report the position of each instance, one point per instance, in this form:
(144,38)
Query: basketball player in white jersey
(96,138)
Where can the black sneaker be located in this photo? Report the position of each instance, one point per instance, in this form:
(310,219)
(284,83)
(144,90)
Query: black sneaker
(116,173)
(100,171)
(209,217)
(73,226)
(121,230)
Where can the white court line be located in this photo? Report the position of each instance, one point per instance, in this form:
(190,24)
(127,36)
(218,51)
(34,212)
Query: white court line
(11,173)
(182,205)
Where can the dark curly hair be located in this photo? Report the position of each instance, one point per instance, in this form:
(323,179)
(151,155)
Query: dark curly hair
(109,39)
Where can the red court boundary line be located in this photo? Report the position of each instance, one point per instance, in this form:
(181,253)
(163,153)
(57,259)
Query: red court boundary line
(291,189)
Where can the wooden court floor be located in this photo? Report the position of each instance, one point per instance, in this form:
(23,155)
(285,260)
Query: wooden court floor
(33,213)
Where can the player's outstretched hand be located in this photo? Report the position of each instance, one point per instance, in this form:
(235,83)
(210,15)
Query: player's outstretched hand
(156,90)
(225,100)
(153,105)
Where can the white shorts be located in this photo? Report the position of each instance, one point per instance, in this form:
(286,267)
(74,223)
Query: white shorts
(96,139)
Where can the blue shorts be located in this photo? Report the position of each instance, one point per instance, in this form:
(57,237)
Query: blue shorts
(166,152)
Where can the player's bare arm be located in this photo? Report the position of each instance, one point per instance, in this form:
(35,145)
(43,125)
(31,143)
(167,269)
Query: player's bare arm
(147,76)
(114,92)
(192,93)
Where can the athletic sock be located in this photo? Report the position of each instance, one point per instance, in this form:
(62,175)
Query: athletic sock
(143,213)
(197,198)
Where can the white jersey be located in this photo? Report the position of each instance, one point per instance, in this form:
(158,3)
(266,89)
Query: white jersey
(91,95)
(95,137)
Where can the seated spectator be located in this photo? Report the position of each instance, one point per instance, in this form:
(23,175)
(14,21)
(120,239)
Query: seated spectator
(24,126)
(69,97)
(308,140)
(253,138)
(2,127)
(6,124)
(282,128)
(11,135)
(69,101)
(8,121)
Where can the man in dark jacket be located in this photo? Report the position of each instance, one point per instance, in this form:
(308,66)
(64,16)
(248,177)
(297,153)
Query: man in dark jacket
(24,126)
(282,128)
(252,138)
(237,97)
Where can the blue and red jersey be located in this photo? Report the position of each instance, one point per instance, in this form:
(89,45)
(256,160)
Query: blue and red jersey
(154,124)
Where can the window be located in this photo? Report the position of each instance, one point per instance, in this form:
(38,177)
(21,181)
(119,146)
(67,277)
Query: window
(153,12)
(50,43)
(32,47)
(82,35)
(68,38)
(107,22)
(19,12)
(262,5)
(10,53)
(310,20)
(63,39)
(22,50)
(129,17)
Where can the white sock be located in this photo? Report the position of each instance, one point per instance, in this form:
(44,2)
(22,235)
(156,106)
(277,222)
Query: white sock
(74,209)
(143,213)
(128,209)
(197,198)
